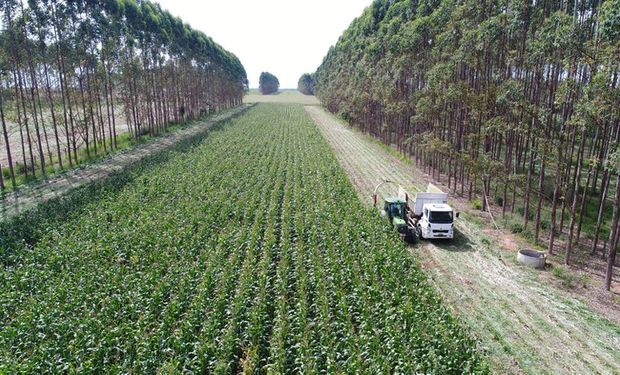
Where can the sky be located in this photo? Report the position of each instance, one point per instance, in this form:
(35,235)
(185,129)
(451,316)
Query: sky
(284,37)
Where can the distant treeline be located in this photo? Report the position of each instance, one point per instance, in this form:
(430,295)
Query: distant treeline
(268,83)
(305,85)
(511,101)
(68,66)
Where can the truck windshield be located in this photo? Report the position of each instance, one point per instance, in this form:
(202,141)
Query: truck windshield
(440,217)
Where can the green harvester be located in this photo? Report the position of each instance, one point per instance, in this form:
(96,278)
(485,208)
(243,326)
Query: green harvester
(396,211)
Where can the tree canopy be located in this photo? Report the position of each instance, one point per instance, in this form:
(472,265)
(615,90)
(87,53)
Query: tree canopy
(268,83)
(305,85)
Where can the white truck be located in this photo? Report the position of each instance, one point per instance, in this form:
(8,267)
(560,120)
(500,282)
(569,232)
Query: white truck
(429,216)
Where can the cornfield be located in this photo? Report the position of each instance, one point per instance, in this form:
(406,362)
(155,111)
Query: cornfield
(245,250)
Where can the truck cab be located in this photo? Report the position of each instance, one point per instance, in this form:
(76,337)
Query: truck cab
(436,221)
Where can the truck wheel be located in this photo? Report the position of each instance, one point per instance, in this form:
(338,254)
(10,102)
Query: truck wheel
(419,229)
(412,236)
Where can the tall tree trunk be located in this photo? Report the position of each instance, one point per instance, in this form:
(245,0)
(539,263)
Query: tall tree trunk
(7,143)
(582,205)
(571,226)
(601,210)
(22,100)
(528,187)
(50,100)
(541,180)
(613,238)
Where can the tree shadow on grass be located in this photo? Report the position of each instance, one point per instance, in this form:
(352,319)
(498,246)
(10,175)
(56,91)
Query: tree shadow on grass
(26,229)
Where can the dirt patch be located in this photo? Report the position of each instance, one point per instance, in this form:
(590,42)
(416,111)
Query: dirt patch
(507,241)
(283,97)
(15,138)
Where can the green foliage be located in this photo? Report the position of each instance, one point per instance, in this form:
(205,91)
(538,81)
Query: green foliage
(514,223)
(240,250)
(476,204)
(305,85)
(530,213)
(585,280)
(566,277)
(268,83)
(545,220)
(485,240)
(498,200)
(610,16)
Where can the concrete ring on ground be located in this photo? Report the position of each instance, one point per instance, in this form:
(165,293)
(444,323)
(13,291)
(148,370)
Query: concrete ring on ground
(532,258)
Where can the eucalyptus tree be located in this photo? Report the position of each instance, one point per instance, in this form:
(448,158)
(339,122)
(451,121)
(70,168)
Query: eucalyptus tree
(268,83)
(511,102)
(70,67)
(305,85)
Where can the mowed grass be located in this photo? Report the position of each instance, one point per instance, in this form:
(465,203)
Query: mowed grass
(525,323)
(284,96)
(243,250)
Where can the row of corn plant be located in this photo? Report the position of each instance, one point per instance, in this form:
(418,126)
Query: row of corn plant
(243,250)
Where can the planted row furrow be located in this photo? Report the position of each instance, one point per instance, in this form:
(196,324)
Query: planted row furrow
(256,272)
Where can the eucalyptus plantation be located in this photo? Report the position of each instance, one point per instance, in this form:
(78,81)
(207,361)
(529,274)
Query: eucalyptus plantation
(514,103)
(74,71)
